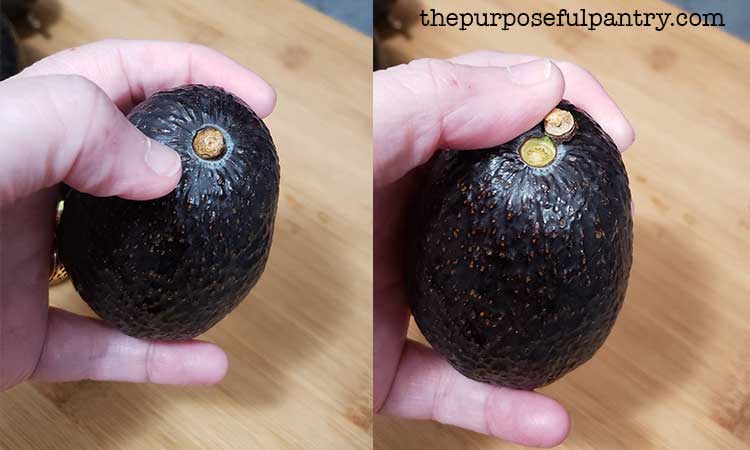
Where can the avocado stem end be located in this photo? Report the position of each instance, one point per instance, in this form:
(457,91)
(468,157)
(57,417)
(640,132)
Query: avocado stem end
(208,143)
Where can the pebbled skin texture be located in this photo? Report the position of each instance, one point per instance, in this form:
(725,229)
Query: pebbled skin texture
(8,49)
(516,274)
(173,267)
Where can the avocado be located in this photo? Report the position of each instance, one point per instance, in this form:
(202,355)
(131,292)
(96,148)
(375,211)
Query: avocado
(8,49)
(172,267)
(519,255)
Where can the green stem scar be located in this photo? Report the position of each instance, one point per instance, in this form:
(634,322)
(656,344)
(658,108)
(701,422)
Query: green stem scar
(538,152)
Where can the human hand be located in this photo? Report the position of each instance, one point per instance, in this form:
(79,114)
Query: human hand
(62,120)
(477,100)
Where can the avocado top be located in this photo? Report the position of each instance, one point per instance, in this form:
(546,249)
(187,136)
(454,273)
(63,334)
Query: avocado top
(520,254)
(172,267)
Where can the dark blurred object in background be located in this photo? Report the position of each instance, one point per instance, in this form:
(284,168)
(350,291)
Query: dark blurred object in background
(8,49)
(381,15)
(20,11)
(383,24)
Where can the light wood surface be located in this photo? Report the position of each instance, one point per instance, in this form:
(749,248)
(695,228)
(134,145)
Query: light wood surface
(675,372)
(300,346)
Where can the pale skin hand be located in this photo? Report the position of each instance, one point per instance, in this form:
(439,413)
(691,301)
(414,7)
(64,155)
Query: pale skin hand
(62,120)
(472,101)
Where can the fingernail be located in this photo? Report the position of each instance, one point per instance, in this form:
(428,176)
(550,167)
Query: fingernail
(530,73)
(162,159)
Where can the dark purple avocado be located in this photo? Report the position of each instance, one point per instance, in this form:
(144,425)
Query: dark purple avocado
(519,255)
(173,267)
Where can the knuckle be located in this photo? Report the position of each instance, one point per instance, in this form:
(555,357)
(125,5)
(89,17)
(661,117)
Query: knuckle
(73,89)
(80,84)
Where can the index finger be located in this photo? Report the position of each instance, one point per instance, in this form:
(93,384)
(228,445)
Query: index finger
(129,71)
(581,88)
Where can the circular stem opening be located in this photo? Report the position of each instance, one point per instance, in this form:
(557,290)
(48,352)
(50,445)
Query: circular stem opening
(538,152)
(208,143)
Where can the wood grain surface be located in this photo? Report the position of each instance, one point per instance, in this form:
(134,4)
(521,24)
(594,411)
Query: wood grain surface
(675,372)
(300,346)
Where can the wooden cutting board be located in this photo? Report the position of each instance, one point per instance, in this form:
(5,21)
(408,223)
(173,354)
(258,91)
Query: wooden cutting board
(300,345)
(675,372)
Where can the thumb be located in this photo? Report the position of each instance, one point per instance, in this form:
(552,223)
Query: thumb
(430,104)
(65,128)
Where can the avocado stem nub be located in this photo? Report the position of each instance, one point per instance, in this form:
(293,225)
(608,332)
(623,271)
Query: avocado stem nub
(208,143)
(560,125)
(538,152)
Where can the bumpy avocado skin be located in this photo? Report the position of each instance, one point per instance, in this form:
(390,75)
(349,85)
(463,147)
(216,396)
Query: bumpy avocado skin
(8,49)
(516,274)
(171,268)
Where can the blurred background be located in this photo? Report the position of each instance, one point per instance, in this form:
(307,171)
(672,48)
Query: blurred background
(735,12)
(395,17)
(355,13)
